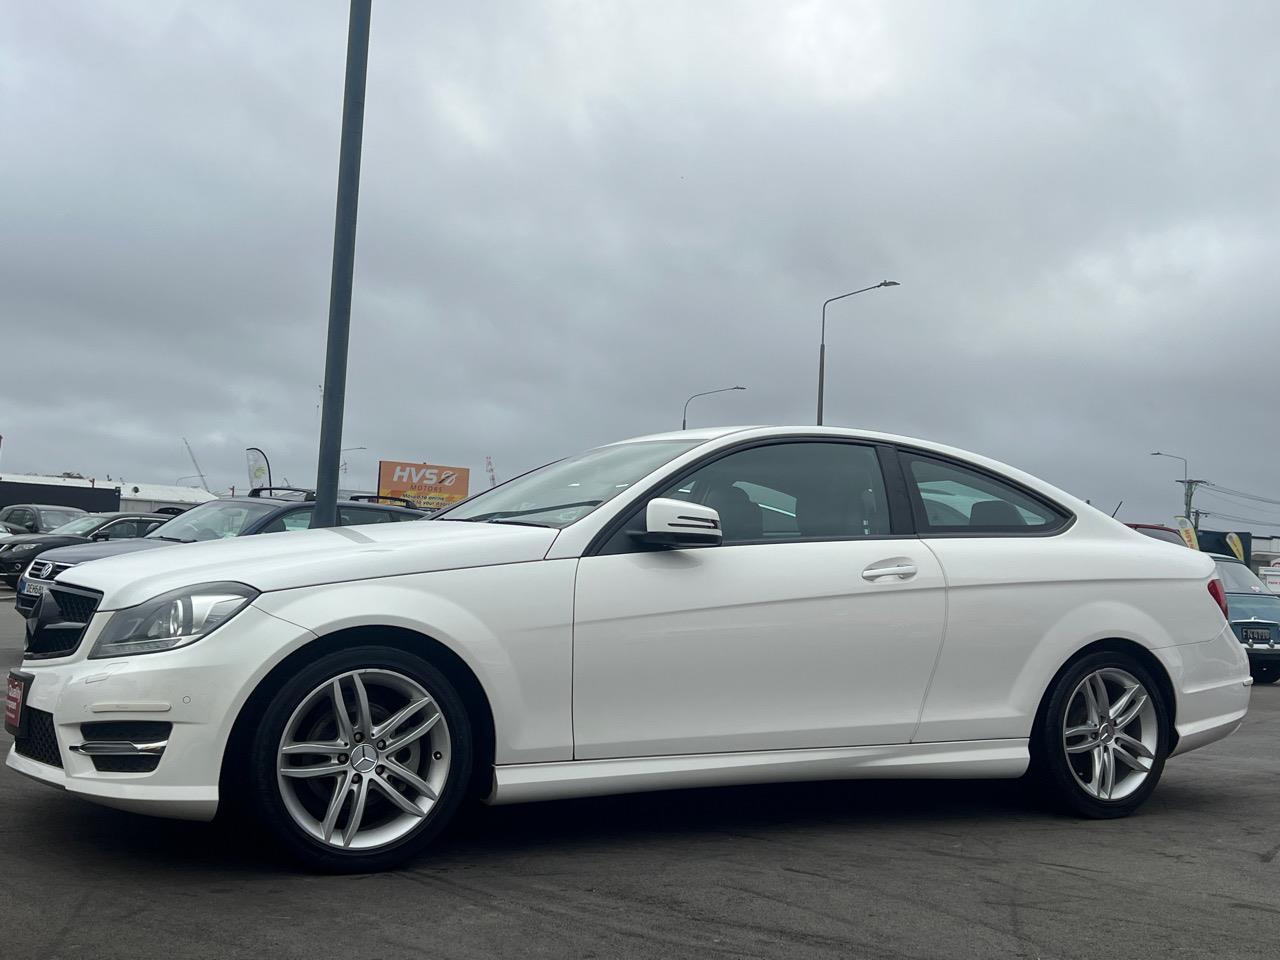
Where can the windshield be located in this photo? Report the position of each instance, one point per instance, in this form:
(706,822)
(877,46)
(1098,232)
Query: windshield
(560,493)
(215,520)
(1254,606)
(84,524)
(1238,578)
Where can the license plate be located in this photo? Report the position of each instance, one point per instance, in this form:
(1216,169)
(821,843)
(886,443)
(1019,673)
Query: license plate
(30,589)
(15,695)
(1256,634)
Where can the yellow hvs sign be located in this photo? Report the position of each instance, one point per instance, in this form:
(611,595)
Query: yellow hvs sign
(429,485)
(1188,531)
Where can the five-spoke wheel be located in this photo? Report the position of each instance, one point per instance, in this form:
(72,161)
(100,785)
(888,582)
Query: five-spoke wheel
(361,758)
(1102,735)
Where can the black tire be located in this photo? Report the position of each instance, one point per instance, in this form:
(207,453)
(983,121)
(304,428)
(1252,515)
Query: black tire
(1051,769)
(1265,672)
(264,800)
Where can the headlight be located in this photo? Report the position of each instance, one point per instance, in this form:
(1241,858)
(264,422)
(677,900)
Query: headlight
(20,548)
(172,619)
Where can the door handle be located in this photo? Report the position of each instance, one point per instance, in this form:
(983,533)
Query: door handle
(901,570)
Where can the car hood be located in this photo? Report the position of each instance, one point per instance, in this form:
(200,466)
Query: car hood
(43,539)
(281,561)
(98,549)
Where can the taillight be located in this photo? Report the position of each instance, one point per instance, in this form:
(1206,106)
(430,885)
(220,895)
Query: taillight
(1219,595)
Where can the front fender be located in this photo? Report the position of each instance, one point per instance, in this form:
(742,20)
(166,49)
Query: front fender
(512,625)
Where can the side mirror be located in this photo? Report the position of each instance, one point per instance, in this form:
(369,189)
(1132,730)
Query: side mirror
(675,523)
(100,536)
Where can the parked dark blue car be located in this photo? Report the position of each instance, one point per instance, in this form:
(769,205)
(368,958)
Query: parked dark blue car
(215,520)
(1254,612)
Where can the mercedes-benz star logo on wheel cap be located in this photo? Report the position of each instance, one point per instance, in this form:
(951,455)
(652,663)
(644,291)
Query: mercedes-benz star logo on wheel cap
(364,758)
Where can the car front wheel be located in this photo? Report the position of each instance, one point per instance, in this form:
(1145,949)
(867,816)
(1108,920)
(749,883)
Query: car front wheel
(1100,743)
(361,759)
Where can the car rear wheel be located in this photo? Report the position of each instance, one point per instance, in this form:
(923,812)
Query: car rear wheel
(1266,672)
(361,759)
(1100,743)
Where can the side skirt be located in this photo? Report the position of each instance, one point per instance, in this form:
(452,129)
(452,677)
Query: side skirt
(969,759)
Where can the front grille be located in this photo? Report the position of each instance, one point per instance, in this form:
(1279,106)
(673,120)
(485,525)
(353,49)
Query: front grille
(38,741)
(144,764)
(135,731)
(56,626)
(74,606)
(41,570)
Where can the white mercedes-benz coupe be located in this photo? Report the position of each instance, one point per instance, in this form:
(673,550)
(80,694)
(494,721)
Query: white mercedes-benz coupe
(698,608)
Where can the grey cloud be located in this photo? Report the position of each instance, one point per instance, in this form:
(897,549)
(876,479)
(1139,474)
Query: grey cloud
(575,215)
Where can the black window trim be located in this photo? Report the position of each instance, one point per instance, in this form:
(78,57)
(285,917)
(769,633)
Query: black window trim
(925,531)
(900,516)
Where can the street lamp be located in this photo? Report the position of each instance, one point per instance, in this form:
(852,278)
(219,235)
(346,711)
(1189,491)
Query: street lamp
(684,422)
(1174,456)
(1188,486)
(822,343)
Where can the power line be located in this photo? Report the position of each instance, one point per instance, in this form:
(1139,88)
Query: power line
(1241,493)
(1234,501)
(1235,519)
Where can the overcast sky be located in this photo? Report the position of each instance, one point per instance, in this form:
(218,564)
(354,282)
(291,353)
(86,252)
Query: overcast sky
(575,214)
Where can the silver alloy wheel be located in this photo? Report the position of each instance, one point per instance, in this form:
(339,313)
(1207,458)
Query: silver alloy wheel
(1111,734)
(382,765)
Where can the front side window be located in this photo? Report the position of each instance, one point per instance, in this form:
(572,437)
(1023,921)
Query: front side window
(956,499)
(792,491)
(121,530)
(565,491)
(215,520)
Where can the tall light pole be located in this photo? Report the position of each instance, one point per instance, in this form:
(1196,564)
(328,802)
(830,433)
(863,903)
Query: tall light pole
(684,421)
(822,342)
(344,257)
(1188,485)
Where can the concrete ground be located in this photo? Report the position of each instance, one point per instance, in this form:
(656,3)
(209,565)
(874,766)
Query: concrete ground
(880,870)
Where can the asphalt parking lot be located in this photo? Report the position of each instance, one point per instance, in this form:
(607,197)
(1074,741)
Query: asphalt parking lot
(877,870)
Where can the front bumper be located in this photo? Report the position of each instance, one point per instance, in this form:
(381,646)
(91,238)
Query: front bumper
(199,689)
(1262,652)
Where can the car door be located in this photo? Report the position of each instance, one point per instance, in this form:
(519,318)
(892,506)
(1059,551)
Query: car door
(815,623)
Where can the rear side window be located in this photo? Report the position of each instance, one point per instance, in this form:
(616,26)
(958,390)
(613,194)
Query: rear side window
(299,519)
(1168,536)
(352,516)
(953,499)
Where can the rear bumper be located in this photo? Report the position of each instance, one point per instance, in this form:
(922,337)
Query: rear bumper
(1211,683)
(1262,652)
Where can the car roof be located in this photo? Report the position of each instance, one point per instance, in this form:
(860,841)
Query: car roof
(128,513)
(48,506)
